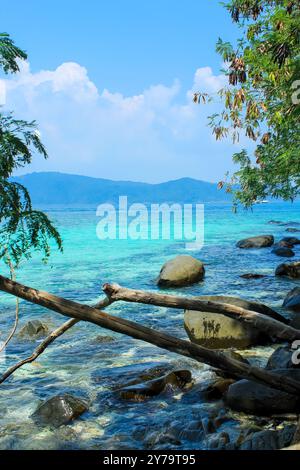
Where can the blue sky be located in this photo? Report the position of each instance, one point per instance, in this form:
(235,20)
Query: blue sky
(110,84)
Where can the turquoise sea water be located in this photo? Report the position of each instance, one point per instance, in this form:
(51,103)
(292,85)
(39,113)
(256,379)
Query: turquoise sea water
(81,364)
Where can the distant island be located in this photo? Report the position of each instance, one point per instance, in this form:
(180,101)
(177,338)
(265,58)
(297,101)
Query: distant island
(62,188)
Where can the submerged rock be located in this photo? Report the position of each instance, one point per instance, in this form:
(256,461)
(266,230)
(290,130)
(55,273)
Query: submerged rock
(252,276)
(291,240)
(141,391)
(283,251)
(282,359)
(292,300)
(292,230)
(219,331)
(59,410)
(291,270)
(261,241)
(34,329)
(252,397)
(181,271)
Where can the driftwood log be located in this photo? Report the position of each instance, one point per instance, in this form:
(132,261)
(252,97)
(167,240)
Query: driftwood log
(185,348)
(271,327)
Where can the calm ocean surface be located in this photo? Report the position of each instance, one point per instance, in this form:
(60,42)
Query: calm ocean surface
(80,364)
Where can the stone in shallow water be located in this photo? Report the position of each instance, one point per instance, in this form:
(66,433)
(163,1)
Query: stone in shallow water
(183,270)
(141,391)
(292,300)
(252,276)
(218,331)
(269,439)
(261,241)
(282,359)
(34,329)
(59,410)
(283,251)
(252,397)
(291,270)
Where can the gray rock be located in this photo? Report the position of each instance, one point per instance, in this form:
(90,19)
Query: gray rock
(291,270)
(254,398)
(34,329)
(260,241)
(292,300)
(282,359)
(59,410)
(269,439)
(219,331)
(181,271)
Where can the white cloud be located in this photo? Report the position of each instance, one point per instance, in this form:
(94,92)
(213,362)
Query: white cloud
(158,134)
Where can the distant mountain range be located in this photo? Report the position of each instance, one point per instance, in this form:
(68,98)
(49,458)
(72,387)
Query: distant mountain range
(62,188)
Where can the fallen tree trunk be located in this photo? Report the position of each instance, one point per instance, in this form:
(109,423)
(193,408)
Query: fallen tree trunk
(271,327)
(185,348)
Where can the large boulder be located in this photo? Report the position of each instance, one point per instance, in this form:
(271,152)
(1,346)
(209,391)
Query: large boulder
(282,358)
(291,270)
(183,270)
(292,300)
(252,397)
(59,410)
(218,331)
(260,241)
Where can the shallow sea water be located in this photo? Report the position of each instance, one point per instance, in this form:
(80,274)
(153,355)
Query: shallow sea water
(79,363)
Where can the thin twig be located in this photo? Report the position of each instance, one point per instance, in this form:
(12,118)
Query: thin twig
(15,326)
(47,341)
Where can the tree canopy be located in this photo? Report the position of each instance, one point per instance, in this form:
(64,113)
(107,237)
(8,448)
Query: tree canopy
(262,99)
(22,229)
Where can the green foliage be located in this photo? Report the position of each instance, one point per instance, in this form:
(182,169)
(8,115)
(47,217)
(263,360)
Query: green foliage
(22,229)
(262,100)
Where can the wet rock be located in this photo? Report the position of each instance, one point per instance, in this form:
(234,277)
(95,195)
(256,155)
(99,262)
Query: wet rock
(291,240)
(275,222)
(269,439)
(181,271)
(283,251)
(292,230)
(291,270)
(156,439)
(34,329)
(292,300)
(252,276)
(261,241)
(219,442)
(217,389)
(219,331)
(254,398)
(59,410)
(282,359)
(177,379)
(208,425)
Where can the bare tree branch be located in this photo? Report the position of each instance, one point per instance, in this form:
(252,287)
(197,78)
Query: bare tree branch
(268,325)
(185,348)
